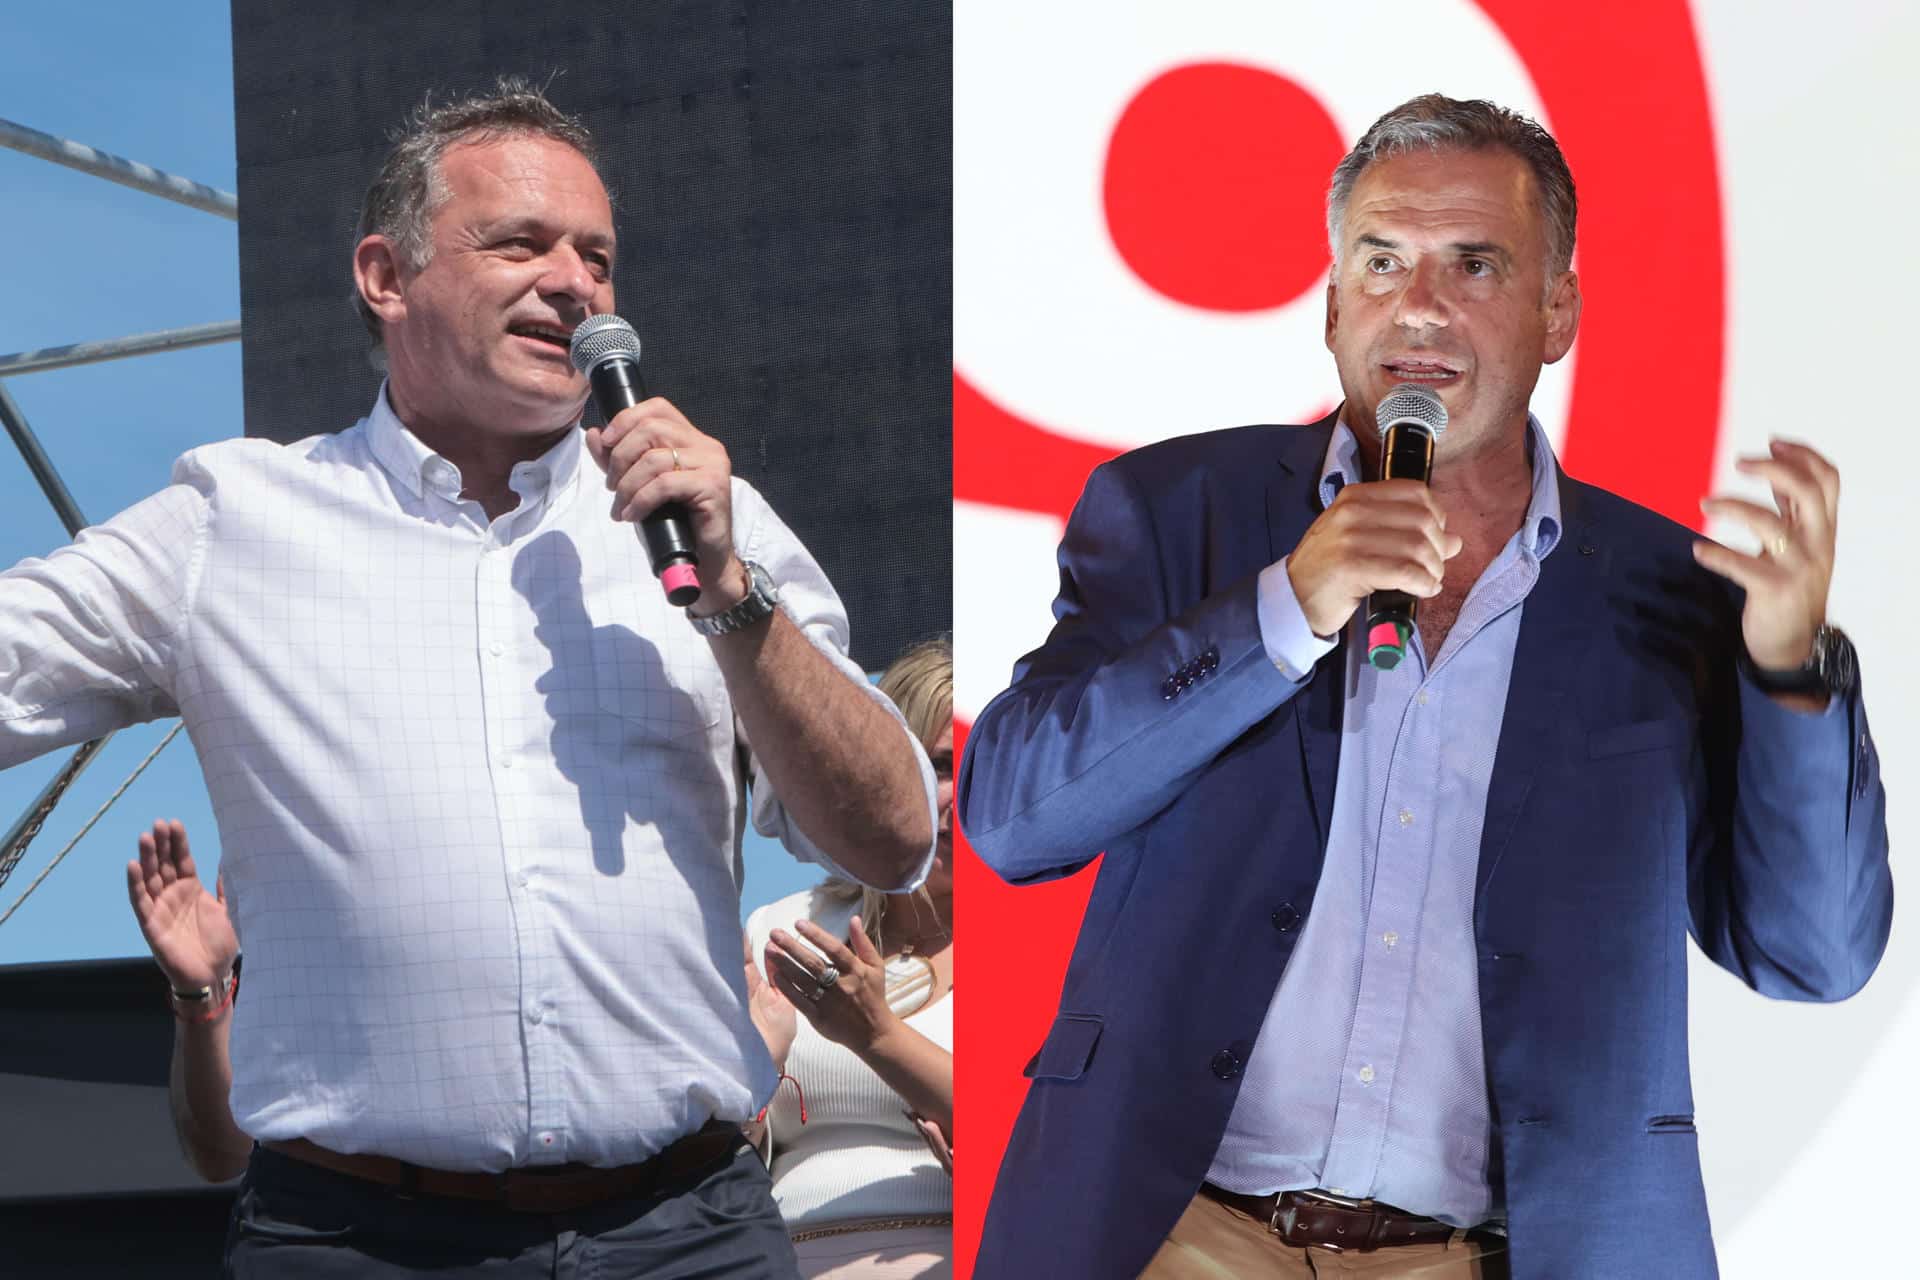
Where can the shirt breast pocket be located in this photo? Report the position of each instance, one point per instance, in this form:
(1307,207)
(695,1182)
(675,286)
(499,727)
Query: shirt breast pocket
(673,695)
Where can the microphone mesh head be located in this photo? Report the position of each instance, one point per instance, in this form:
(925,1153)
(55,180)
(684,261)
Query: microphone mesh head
(1408,402)
(600,338)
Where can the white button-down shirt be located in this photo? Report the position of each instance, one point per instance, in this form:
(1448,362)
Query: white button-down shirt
(480,788)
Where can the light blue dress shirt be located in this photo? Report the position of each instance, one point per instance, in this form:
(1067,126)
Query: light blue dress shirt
(1367,1078)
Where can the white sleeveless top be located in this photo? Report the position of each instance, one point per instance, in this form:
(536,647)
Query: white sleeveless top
(857,1156)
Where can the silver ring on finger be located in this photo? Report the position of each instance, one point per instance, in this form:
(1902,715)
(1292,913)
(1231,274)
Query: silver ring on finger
(828,976)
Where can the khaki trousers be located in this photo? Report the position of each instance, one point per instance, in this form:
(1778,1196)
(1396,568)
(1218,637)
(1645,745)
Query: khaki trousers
(1215,1242)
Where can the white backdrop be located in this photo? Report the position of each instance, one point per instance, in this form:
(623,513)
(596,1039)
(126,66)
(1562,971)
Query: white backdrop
(1807,1114)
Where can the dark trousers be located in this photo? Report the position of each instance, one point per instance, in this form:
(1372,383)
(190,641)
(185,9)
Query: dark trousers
(295,1220)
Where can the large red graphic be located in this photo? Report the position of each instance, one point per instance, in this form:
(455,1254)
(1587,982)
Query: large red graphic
(1214,179)
(1214,187)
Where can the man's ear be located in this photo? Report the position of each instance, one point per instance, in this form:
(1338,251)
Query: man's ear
(1563,318)
(1333,309)
(376,271)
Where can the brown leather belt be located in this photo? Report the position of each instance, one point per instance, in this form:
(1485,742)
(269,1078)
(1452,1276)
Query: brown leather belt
(555,1189)
(1303,1218)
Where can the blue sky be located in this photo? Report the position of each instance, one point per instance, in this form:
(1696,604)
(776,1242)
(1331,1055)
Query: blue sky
(86,259)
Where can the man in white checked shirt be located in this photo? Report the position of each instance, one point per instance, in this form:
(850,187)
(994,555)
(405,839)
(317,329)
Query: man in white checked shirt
(480,788)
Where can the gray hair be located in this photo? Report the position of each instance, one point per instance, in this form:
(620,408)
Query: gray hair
(410,188)
(1434,122)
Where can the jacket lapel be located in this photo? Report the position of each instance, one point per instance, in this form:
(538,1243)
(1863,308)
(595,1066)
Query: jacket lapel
(1293,501)
(1556,629)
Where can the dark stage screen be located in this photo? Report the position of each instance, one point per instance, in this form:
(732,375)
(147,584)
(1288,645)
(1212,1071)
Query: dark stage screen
(780,173)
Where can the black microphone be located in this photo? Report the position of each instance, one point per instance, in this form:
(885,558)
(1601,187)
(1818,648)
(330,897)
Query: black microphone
(1411,418)
(607,350)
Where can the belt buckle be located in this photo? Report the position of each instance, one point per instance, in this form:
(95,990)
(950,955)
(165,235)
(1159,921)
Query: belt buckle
(1339,1201)
(1282,1222)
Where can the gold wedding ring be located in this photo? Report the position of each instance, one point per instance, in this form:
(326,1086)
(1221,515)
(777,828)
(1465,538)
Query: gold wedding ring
(1779,547)
(676,458)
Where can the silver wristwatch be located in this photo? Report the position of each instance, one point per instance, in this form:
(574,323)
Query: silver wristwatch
(756,606)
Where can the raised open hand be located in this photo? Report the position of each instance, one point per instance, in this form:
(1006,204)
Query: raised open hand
(1786,583)
(185,926)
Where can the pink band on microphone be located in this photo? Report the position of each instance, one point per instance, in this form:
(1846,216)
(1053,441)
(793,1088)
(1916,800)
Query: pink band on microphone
(1384,635)
(677,577)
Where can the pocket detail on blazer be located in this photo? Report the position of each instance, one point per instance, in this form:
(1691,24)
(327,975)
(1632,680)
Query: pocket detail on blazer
(1641,735)
(1067,1051)
(1670,1124)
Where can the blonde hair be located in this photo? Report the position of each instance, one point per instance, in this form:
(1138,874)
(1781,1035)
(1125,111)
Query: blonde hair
(920,683)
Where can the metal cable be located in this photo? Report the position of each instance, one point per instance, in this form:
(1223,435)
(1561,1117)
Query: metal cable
(97,815)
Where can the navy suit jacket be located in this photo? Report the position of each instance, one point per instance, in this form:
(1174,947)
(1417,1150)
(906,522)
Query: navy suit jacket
(1641,791)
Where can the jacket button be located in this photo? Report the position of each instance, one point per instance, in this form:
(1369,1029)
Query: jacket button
(1286,918)
(1225,1064)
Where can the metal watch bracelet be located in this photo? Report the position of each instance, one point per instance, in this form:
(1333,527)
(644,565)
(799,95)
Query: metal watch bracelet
(756,606)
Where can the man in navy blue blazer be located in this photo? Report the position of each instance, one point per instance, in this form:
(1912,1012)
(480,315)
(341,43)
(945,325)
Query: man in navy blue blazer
(1392,960)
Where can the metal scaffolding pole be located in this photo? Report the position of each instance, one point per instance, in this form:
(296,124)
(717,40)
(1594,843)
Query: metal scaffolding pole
(128,173)
(15,842)
(140,344)
(42,466)
(141,177)
(13,846)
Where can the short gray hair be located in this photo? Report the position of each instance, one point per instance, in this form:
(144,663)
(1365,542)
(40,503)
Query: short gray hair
(409,188)
(1434,122)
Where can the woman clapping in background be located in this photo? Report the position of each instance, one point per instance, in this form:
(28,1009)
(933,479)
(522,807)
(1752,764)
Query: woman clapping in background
(865,1180)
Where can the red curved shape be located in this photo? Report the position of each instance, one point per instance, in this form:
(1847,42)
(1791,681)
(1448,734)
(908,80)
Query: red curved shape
(1645,416)
(1002,459)
(1214,186)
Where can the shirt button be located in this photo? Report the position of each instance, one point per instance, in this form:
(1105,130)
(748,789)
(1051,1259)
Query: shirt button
(1225,1064)
(1406,817)
(1366,1075)
(1421,697)
(546,1139)
(1286,917)
(526,880)
(496,648)
(1391,938)
(536,1015)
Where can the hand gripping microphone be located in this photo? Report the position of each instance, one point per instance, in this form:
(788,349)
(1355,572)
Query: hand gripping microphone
(607,350)
(1411,418)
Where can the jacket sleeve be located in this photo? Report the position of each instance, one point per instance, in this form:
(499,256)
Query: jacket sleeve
(1136,689)
(1789,887)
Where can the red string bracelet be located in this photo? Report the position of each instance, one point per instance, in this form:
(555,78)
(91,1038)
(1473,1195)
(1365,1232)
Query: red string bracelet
(784,1078)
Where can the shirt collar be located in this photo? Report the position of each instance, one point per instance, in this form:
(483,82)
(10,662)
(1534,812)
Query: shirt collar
(420,470)
(1539,532)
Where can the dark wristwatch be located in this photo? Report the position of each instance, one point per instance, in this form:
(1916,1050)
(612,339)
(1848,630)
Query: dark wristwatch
(756,606)
(1831,671)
